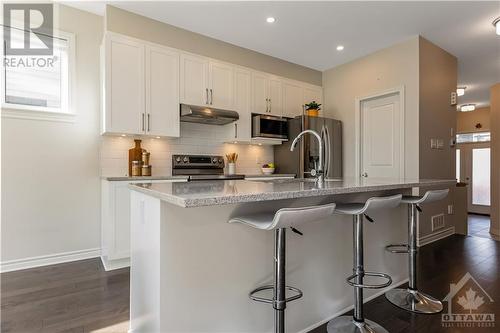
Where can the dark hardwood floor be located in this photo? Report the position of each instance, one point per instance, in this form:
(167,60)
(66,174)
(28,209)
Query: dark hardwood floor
(72,297)
(479,226)
(82,297)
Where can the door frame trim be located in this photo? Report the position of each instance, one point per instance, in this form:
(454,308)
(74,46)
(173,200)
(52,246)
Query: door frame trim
(400,90)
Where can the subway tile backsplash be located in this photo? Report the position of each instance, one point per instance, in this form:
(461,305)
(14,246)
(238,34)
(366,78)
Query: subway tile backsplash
(195,139)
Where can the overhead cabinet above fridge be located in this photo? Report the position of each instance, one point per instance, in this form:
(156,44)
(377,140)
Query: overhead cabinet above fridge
(140,87)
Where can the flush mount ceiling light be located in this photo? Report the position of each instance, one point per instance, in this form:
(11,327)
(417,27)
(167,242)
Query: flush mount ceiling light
(496,24)
(340,47)
(461,91)
(468,107)
(270,19)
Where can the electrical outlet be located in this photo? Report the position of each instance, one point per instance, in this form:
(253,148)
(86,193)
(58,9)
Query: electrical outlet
(433,143)
(439,144)
(450,209)
(437,222)
(453,98)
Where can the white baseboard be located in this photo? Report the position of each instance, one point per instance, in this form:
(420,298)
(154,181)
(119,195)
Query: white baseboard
(435,236)
(110,265)
(350,307)
(51,259)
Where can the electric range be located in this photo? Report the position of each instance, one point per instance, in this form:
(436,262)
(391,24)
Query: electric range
(201,167)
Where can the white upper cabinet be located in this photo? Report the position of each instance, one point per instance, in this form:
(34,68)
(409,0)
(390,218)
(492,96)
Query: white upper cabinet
(293,100)
(275,97)
(242,129)
(162,92)
(194,80)
(267,94)
(141,87)
(313,93)
(123,86)
(221,85)
(260,100)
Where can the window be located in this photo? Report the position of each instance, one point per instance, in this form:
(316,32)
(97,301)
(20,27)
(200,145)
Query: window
(473,137)
(39,86)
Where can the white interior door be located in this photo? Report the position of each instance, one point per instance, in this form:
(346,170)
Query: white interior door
(475,170)
(380,123)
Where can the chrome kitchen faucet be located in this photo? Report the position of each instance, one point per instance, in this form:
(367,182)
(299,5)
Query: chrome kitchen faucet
(319,173)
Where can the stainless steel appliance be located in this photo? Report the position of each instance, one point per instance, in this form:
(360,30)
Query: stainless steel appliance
(207,115)
(269,127)
(302,161)
(200,167)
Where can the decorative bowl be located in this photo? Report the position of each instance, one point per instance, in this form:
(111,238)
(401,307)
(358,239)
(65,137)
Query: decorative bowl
(267,171)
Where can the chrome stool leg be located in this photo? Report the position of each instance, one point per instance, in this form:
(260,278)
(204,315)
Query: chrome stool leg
(357,323)
(411,299)
(279,296)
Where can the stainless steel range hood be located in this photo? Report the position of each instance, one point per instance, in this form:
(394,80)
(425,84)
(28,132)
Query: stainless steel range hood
(207,115)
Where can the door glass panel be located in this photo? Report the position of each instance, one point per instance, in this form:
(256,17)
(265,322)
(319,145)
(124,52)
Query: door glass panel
(481,176)
(457,168)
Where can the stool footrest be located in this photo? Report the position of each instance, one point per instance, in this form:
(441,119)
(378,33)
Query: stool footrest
(298,294)
(370,286)
(397,248)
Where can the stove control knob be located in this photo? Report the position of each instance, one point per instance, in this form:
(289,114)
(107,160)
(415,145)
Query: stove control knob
(221,161)
(185,160)
(214,160)
(178,159)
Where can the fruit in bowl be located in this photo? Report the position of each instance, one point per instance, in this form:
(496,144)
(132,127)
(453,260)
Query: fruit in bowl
(268,168)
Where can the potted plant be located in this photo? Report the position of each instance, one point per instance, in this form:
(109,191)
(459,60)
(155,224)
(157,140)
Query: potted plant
(312,109)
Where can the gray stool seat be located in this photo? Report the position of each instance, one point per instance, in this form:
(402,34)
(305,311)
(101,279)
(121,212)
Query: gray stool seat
(279,221)
(411,299)
(357,323)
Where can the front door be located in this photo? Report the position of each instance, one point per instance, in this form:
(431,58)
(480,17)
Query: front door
(380,124)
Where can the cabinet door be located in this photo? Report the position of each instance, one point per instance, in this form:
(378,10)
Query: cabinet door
(120,228)
(313,94)
(275,97)
(242,97)
(292,99)
(124,86)
(162,92)
(260,91)
(194,80)
(221,85)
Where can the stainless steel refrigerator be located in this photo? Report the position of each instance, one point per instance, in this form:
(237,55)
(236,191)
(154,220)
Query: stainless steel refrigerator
(301,161)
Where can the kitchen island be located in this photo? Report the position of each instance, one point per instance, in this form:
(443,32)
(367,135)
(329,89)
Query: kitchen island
(191,271)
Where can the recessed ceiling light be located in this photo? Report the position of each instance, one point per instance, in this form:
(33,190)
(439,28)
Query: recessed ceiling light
(461,91)
(270,19)
(468,107)
(340,47)
(496,24)
(123,135)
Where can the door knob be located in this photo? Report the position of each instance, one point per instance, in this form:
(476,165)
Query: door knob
(364,174)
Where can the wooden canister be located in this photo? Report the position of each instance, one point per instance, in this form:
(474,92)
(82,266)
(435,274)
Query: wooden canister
(134,154)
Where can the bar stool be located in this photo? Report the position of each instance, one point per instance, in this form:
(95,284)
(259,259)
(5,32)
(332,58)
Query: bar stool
(358,323)
(279,221)
(411,299)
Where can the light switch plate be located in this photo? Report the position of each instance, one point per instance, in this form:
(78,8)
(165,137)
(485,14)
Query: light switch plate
(433,144)
(453,98)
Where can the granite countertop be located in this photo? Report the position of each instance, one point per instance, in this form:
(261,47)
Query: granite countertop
(222,192)
(135,178)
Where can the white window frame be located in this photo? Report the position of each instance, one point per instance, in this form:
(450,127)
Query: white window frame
(64,114)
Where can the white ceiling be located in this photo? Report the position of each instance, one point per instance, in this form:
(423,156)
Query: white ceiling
(307,33)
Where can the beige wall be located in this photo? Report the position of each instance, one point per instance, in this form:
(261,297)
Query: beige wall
(138,26)
(495,158)
(50,170)
(437,118)
(466,121)
(389,68)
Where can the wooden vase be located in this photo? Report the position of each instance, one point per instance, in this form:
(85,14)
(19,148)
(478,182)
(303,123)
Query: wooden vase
(134,154)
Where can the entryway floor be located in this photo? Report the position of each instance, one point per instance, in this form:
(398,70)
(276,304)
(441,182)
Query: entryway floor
(479,226)
(82,297)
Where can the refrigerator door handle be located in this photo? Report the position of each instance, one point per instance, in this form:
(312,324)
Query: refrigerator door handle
(326,141)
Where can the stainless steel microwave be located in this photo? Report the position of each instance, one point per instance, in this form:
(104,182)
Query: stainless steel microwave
(265,126)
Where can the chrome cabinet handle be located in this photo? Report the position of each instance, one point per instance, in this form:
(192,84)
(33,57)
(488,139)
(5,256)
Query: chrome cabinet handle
(143,122)
(270,105)
(235,131)
(211,97)
(206,95)
(149,123)
(364,174)
(267,105)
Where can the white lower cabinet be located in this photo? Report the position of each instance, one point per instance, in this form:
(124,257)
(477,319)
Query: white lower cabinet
(115,222)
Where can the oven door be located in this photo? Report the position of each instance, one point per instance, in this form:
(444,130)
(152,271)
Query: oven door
(269,127)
